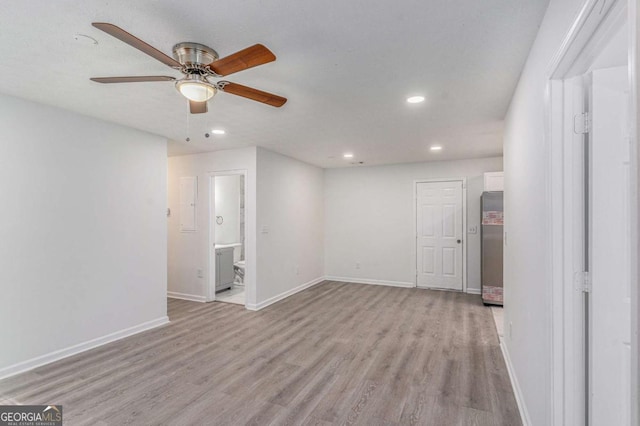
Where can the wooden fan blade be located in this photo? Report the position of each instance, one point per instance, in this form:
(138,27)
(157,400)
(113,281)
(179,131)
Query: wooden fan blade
(133,41)
(242,60)
(253,94)
(197,107)
(137,79)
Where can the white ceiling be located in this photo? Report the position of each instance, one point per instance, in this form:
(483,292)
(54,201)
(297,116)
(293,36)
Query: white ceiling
(345,66)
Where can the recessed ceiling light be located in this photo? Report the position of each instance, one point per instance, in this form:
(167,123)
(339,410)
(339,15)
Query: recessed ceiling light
(415,99)
(436,148)
(348,155)
(218,132)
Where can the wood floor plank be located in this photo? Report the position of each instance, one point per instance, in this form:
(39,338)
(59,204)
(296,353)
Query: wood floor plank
(313,421)
(360,401)
(306,400)
(337,353)
(260,414)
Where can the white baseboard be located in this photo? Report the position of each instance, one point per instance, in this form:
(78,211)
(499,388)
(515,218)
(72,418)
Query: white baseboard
(279,297)
(32,363)
(524,414)
(185,296)
(370,281)
(474,291)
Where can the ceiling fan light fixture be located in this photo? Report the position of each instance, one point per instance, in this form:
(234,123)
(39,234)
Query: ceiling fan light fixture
(196,88)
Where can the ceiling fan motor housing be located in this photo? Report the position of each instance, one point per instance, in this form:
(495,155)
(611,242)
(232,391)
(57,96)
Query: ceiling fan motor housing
(194,56)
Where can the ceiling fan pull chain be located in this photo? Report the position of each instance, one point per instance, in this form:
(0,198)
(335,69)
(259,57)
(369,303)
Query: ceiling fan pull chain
(188,139)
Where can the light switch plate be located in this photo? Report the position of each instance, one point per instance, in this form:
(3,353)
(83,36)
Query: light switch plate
(473,229)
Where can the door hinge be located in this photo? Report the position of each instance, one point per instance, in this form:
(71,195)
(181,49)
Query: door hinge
(586,282)
(582,123)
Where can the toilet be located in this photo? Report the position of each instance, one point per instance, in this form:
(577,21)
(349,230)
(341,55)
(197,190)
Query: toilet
(238,267)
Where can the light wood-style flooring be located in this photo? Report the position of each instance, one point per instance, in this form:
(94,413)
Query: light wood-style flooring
(334,354)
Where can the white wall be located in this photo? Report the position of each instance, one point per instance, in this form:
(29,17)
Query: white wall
(188,252)
(291,211)
(527,211)
(227,206)
(369,216)
(82,231)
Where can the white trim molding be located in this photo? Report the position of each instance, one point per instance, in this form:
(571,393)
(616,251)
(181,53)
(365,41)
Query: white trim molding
(371,281)
(634,67)
(473,291)
(517,391)
(185,296)
(284,295)
(32,363)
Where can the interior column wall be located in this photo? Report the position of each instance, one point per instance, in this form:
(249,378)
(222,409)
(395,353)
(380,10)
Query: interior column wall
(290,226)
(527,270)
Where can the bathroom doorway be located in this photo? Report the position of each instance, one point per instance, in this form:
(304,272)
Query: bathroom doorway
(228,231)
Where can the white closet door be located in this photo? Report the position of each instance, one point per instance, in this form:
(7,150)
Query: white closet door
(439,235)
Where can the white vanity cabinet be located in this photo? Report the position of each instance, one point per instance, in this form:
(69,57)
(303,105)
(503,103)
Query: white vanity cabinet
(224,268)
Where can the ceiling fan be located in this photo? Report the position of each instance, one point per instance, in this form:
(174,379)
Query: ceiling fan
(198,62)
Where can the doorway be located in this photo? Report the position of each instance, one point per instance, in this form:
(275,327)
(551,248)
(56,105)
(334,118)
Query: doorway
(228,235)
(591,168)
(440,221)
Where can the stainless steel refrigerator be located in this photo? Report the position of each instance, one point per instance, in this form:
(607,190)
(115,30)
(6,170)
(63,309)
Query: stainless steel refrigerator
(491,237)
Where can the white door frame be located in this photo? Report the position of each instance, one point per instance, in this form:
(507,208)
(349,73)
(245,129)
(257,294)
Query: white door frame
(211,285)
(583,39)
(464,226)
(634,74)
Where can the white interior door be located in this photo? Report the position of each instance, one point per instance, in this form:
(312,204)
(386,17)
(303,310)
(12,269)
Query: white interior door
(609,246)
(439,235)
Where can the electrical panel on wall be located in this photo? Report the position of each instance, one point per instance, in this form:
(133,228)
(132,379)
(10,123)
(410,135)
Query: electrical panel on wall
(188,196)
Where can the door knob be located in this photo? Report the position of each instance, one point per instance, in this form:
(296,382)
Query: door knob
(459,241)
